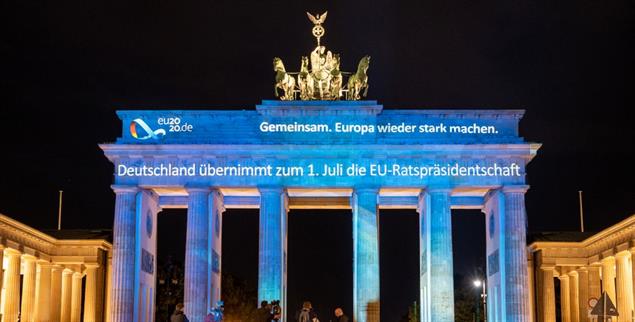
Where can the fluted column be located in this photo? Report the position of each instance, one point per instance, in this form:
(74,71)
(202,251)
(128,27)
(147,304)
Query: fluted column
(608,277)
(595,288)
(624,281)
(56,293)
(632,250)
(565,299)
(90,299)
(108,272)
(441,263)
(574,296)
(196,254)
(12,286)
(76,297)
(531,283)
(123,274)
(365,255)
(215,245)
(272,244)
(1,268)
(67,295)
(425,284)
(517,296)
(27,309)
(43,292)
(548,295)
(583,294)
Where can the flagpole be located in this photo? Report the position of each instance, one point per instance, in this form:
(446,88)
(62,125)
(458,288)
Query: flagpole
(581,211)
(59,212)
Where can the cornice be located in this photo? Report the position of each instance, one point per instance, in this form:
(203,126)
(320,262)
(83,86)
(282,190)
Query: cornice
(23,237)
(607,242)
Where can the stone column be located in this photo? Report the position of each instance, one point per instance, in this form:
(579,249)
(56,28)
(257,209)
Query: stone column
(123,274)
(11,286)
(215,245)
(583,294)
(548,294)
(632,250)
(101,288)
(108,273)
(624,283)
(43,292)
(365,255)
(27,309)
(272,245)
(423,208)
(56,293)
(1,269)
(76,297)
(196,254)
(531,283)
(67,295)
(608,277)
(595,289)
(574,296)
(517,296)
(565,299)
(90,299)
(441,262)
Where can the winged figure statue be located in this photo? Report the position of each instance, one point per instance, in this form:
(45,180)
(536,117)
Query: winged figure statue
(319,19)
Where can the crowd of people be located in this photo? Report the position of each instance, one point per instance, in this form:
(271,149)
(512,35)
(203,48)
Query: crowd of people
(267,312)
(213,315)
(271,312)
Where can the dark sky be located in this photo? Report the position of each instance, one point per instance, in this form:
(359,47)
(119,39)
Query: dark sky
(68,65)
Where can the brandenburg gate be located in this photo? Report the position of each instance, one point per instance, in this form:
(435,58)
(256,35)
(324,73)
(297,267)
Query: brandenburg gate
(319,147)
(314,154)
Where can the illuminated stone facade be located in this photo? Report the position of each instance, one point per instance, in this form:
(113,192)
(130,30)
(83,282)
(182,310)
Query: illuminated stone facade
(54,274)
(585,269)
(317,154)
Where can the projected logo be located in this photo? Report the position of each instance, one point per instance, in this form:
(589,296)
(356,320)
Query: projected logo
(142,131)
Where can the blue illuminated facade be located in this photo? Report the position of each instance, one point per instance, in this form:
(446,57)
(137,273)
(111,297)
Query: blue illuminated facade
(312,154)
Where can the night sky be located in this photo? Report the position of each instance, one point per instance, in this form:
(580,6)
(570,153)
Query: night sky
(68,65)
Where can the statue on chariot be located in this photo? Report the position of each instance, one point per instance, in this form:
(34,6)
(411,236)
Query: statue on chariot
(320,77)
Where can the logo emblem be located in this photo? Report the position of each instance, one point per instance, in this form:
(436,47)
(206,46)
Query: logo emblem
(139,124)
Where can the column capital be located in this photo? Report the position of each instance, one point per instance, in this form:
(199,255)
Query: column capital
(623,254)
(91,265)
(608,259)
(437,189)
(12,252)
(366,189)
(28,257)
(197,188)
(43,262)
(564,276)
(521,188)
(272,189)
(120,188)
(573,273)
(78,275)
(55,266)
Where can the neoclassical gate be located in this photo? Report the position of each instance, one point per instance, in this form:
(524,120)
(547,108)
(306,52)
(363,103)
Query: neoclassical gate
(319,154)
